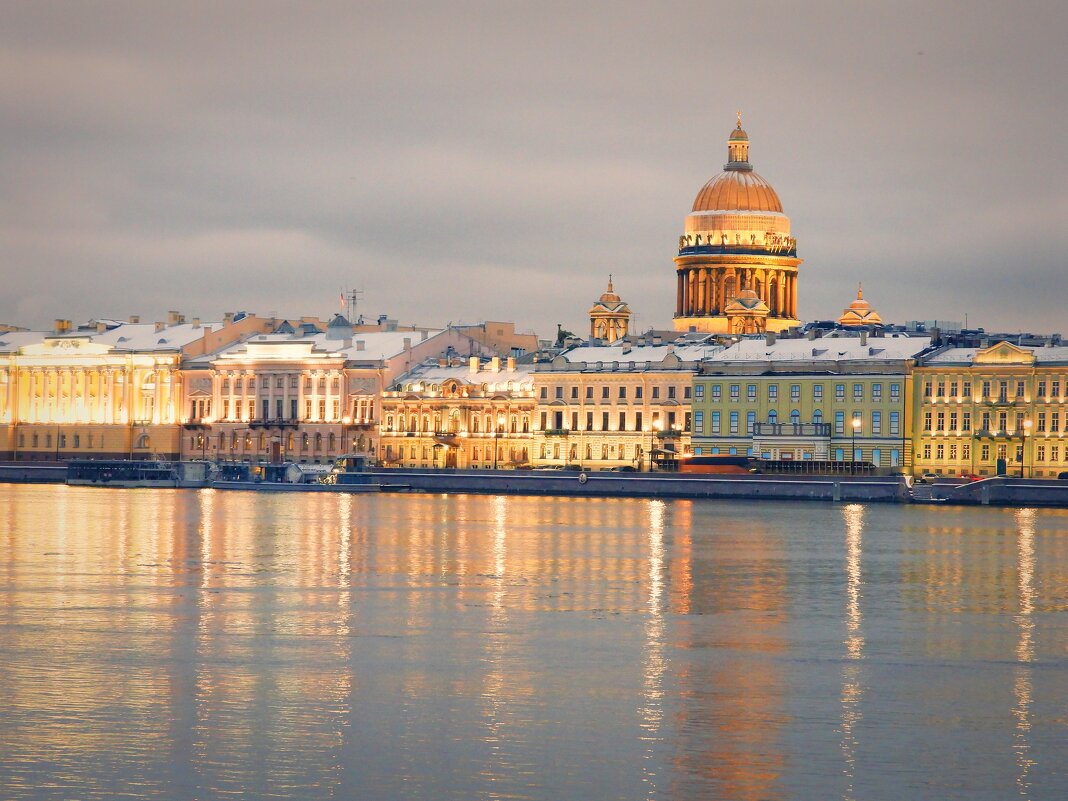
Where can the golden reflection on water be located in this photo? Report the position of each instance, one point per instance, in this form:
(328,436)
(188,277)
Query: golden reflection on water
(1025,648)
(852,691)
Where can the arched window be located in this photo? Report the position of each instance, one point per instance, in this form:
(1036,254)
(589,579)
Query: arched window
(476,424)
(526,424)
(795,416)
(515,424)
(817,416)
(331,440)
(773,416)
(318,442)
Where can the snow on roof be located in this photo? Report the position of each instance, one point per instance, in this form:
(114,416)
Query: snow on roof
(627,353)
(145,337)
(823,349)
(1043,355)
(434,373)
(376,345)
(11,341)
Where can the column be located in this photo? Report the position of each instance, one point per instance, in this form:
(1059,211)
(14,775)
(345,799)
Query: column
(678,294)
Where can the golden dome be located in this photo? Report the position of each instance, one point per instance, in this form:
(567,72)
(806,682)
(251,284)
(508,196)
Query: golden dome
(860,312)
(610,296)
(737,190)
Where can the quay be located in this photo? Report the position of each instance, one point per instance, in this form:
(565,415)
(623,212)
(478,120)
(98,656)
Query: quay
(993,491)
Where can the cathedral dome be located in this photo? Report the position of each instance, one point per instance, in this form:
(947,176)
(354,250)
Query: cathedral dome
(737,190)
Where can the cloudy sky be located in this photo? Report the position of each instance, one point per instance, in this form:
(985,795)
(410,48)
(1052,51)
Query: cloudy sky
(463,161)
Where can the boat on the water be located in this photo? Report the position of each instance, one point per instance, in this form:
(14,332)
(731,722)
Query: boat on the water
(137,473)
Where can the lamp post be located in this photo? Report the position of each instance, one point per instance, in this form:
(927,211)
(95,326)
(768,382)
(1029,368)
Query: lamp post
(1023,446)
(853,455)
(657,426)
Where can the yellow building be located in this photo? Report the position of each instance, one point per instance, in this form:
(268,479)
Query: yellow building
(999,409)
(457,413)
(112,390)
(736,238)
(621,405)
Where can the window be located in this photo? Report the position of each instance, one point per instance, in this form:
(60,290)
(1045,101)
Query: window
(1020,389)
(876,422)
(604,393)
(638,392)
(953,421)
(1055,391)
(940,451)
(1040,453)
(589,393)
(750,422)
(750,392)
(986,389)
(734,392)
(839,392)
(773,393)
(926,389)
(926,421)
(671,393)
(839,454)
(952,389)
(940,392)
(622,421)
(876,392)
(795,392)
(966,421)
(858,392)
(895,392)
(589,421)
(715,393)
(265,407)
(734,423)
(839,422)
(559,393)
(966,451)
(574,393)
(1055,422)
(604,421)
(623,392)
(698,422)
(715,422)
(773,417)
(966,389)
(656,393)
(985,453)
(1041,392)
(952,451)
(795,417)
(574,422)
(895,458)
(1054,453)
(927,450)
(941,421)
(817,417)
(986,421)
(698,391)
(817,393)
(857,422)
(895,423)
(544,394)
(686,392)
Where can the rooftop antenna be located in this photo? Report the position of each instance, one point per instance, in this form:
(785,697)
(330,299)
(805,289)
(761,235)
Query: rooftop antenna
(349,300)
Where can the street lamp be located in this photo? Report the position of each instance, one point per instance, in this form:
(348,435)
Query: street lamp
(1023,446)
(657,426)
(853,459)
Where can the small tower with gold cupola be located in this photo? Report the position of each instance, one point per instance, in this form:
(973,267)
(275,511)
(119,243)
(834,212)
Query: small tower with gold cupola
(609,316)
(860,312)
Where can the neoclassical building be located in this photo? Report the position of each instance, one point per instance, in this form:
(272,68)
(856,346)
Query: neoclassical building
(736,238)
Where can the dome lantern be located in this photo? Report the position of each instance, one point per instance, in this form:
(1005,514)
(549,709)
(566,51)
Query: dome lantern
(738,149)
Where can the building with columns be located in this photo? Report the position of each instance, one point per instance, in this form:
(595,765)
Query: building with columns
(302,394)
(736,239)
(465,413)
(109,391)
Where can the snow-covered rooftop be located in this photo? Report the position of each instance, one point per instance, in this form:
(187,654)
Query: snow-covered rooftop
(823,349)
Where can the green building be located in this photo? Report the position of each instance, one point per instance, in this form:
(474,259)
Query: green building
(841,397)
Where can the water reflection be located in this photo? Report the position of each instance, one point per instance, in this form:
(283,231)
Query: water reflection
(1025,649)
(852,692)
(171,645)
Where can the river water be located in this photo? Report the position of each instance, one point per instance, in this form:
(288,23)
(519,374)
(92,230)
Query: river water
(162,644)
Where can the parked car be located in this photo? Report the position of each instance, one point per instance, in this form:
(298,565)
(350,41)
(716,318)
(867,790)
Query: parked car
(623,468)
(1063,476)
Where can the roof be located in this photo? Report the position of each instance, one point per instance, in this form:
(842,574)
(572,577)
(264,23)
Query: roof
(434,373)
(1056,354)
(635,357)
(888,348)
(362,346)
(138,337)
(733,190)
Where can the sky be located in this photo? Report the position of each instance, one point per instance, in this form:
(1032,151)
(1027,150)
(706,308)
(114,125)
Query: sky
(467,161)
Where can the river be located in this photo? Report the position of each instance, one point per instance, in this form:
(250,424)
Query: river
(163,644)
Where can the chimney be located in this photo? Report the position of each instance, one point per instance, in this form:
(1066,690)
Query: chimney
(160,326)
(472,364)
(423,335)
(173,318)
(196,322)
(657,339)
(511,364)
(495,364)
(443,362)
(407,343)
(101,328)
(769,338)
(135,319)
(361,344)
(382,319)
(863,338)
(62,326)
(811,333)
(228,318)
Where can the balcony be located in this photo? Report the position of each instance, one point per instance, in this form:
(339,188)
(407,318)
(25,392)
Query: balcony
(273,423)
(556,432)
(195,425)
(986,433)
(670,433)
(792,429)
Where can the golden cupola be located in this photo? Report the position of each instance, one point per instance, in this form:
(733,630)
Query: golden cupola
(736,237)
(609,316)
(860,312)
